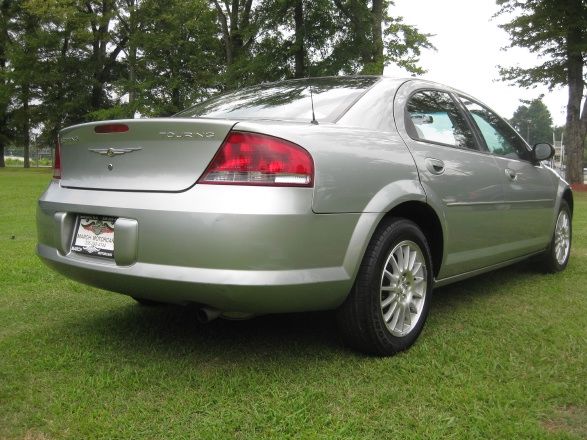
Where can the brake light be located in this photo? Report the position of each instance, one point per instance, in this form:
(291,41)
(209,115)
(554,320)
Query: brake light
(258,159)
(57,162)
(111,128)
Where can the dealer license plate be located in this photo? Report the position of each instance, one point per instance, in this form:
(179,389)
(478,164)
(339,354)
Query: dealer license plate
(94,236)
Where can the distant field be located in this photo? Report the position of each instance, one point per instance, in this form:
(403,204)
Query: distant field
(503,356)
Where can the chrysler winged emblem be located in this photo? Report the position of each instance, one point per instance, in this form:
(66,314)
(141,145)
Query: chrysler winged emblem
(114,151)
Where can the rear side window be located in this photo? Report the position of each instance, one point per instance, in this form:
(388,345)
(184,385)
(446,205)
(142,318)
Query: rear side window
(434,117)
(499,137)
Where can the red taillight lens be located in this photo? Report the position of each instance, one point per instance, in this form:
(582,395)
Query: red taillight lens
(57,162)
(257,159)
(111,128)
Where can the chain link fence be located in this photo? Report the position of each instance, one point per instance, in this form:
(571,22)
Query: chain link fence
(39,156)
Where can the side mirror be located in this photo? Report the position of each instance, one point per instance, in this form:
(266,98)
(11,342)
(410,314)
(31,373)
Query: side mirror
(542,152)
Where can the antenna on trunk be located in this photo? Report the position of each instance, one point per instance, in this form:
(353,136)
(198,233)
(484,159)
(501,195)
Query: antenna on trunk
(304,8)
(313,121)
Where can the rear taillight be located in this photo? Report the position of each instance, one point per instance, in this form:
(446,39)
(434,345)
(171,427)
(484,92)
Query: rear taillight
(57,162)
(258,159)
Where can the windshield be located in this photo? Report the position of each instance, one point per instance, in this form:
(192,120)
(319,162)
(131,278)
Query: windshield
(289,100)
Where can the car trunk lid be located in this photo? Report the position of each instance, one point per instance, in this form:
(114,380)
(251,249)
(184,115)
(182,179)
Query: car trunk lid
(163,154)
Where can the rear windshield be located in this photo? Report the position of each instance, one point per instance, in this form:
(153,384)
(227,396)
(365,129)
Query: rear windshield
(286,100)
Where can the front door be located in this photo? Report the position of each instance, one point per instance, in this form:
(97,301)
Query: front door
(529,188)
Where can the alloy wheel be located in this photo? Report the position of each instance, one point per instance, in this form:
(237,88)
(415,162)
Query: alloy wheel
(562,237)
(403,288)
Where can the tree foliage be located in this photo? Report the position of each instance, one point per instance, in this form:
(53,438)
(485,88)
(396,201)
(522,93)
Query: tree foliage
(373,38)
(557,31)
(533,121)
(175,58)
(69,61)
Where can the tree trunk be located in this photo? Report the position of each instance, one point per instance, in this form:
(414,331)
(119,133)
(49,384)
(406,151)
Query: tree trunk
(3,106)
(366,26)
(378,62)
(132,79)
(26,125)
(233,22)
(132,58)
(3,119)
(299,53)
(574,155)
(97,95)
(576,127)
(225,32)
(176,99)
(235,38)
(99,53)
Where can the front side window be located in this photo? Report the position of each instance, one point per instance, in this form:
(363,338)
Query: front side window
(433,116)
(500,138)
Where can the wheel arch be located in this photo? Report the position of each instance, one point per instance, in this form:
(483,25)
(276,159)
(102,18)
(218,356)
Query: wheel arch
(568,197)
(418,211)
(428,221)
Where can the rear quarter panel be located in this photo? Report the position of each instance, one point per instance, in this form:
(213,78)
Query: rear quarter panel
(356,170)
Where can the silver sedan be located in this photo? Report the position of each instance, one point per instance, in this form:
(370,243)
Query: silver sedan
(359,194)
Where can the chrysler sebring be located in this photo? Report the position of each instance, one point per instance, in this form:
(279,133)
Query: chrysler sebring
(354,194)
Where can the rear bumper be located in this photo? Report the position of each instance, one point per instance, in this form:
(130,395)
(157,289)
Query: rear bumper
(247,249)
(228,290)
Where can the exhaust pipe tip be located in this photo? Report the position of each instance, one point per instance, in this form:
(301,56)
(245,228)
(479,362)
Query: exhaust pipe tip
(206,314)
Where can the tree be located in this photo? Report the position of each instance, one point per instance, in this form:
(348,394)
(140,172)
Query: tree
(557,31)
(5,90)
(300,38)
(239,22)
(179,55)
(63,88)
(23,71)
(533,121)
(130,22)
(296,38)
(374,39)
(64,62)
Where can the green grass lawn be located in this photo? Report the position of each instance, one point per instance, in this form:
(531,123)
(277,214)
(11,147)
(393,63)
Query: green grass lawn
(502,356)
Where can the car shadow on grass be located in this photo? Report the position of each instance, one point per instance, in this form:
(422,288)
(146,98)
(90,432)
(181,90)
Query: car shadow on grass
(176,329)
(129,327)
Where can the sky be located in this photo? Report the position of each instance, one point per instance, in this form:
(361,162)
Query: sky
(469,49)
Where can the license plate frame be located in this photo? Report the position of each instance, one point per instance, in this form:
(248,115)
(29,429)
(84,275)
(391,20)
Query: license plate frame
(94,236)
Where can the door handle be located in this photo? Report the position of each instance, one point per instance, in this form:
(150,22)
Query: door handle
(435,166)
(511,174)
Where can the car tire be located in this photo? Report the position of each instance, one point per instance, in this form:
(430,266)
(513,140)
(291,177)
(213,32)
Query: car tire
(148,302)
(556,257)
(373,317)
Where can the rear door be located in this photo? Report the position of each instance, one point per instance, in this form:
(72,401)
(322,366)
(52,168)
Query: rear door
(529,188)
(462,181)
